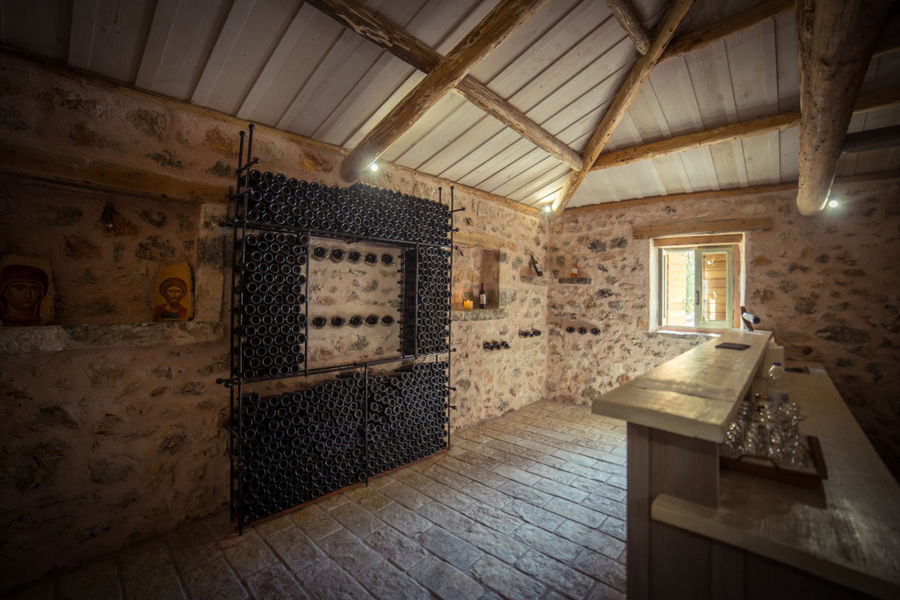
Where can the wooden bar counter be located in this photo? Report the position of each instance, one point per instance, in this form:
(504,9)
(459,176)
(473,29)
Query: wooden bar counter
(695,531)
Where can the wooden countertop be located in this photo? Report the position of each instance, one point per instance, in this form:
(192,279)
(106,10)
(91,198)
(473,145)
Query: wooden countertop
(847,531)
(693,394)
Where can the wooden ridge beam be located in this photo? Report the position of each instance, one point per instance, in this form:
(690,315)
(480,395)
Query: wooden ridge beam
(873,139)
(836,42)
(711,34)
(720,226)
(627,15)
(639,73)
(726,133)
(413,52)
(724,194)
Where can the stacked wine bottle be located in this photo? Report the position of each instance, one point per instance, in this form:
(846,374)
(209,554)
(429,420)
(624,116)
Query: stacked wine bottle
(360,210)
(426,318)
(408,415)
(270,294)
(300,445)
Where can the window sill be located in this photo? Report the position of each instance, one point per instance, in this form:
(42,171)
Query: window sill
(56,338)
(687,334)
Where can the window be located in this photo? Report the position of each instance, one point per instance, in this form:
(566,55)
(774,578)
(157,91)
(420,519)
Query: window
(696,281)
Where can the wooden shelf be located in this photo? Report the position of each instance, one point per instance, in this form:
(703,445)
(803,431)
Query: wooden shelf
(56,338)
(575,280)
(535,280)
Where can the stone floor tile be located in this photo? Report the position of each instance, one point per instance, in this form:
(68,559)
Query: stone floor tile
(331,502)
(551,473)
(558,489)
(396,548)
(356,519)
(446,517)
(506,580)
(327,581)
(613,508)
(247,554)
(192,545)
(98,580)
(530,513)
(516,474)
(447,582)
(614,527)
(618,481)
(264,528)
(504,547)
(385,581)
(602,591)
(591,538)
(405,495)
(315,521)
(275,583)
(492,517)
(576,512)
(295,549)
(143,557)
(213,581)
(374,501)
(450,478)
(599,488)
(602,568)
(548,543)
(555,574)
(485,494)
(459,553)
(445,495)
(523,492)
(159,583)
(405,521)
(347,550)
(220,524)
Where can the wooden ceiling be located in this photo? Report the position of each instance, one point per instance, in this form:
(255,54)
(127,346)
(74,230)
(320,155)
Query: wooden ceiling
(526,98)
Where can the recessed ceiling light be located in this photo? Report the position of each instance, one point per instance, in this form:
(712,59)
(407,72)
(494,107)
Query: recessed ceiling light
(833,203)
(373,167)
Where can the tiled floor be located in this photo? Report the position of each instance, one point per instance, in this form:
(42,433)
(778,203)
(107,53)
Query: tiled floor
(529,505)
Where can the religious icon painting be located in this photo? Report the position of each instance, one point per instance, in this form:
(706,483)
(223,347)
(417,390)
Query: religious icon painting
(26,291)
(173,297)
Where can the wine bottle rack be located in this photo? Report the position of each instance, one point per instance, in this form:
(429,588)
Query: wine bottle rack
(296,446)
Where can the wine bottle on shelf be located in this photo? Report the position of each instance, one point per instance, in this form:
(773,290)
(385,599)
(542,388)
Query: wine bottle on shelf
(482,297)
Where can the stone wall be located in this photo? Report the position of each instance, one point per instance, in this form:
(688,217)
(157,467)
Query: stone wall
(826,285)
(124,437)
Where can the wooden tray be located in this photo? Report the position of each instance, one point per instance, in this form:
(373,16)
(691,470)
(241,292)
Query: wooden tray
(763,466)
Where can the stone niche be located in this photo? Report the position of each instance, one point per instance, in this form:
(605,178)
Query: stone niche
(342,287)
(472,266)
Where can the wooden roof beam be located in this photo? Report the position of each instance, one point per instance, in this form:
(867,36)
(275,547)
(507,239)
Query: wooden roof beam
(727,133)
(888,177)
(711,34)
(639,73)
(873,139)
(836,42)
(413,52)
(627,15)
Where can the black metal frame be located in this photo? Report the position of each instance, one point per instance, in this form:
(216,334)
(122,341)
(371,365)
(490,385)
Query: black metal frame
(240,224)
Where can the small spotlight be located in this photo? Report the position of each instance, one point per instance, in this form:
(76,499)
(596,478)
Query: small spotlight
(833,203)
(548,208)
(373,167)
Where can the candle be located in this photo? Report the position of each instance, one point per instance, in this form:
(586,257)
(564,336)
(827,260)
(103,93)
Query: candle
(468,304)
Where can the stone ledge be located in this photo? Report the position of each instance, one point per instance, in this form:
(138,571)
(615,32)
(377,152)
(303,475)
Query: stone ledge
(56,338)
(478,314)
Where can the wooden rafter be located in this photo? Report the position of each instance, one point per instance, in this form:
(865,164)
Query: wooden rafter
(412,51)
(739,192)
(639,73)
(726,133)
(711,34)
(627,15)
(874,139)
(836,42)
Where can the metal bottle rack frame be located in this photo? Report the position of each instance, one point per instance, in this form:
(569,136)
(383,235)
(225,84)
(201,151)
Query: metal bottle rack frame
(409,334)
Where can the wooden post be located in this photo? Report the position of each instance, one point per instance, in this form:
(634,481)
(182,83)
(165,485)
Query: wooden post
(836,41)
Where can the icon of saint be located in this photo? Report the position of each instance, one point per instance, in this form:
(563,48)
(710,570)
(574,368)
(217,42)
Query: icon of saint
(173,290)
(22,289)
